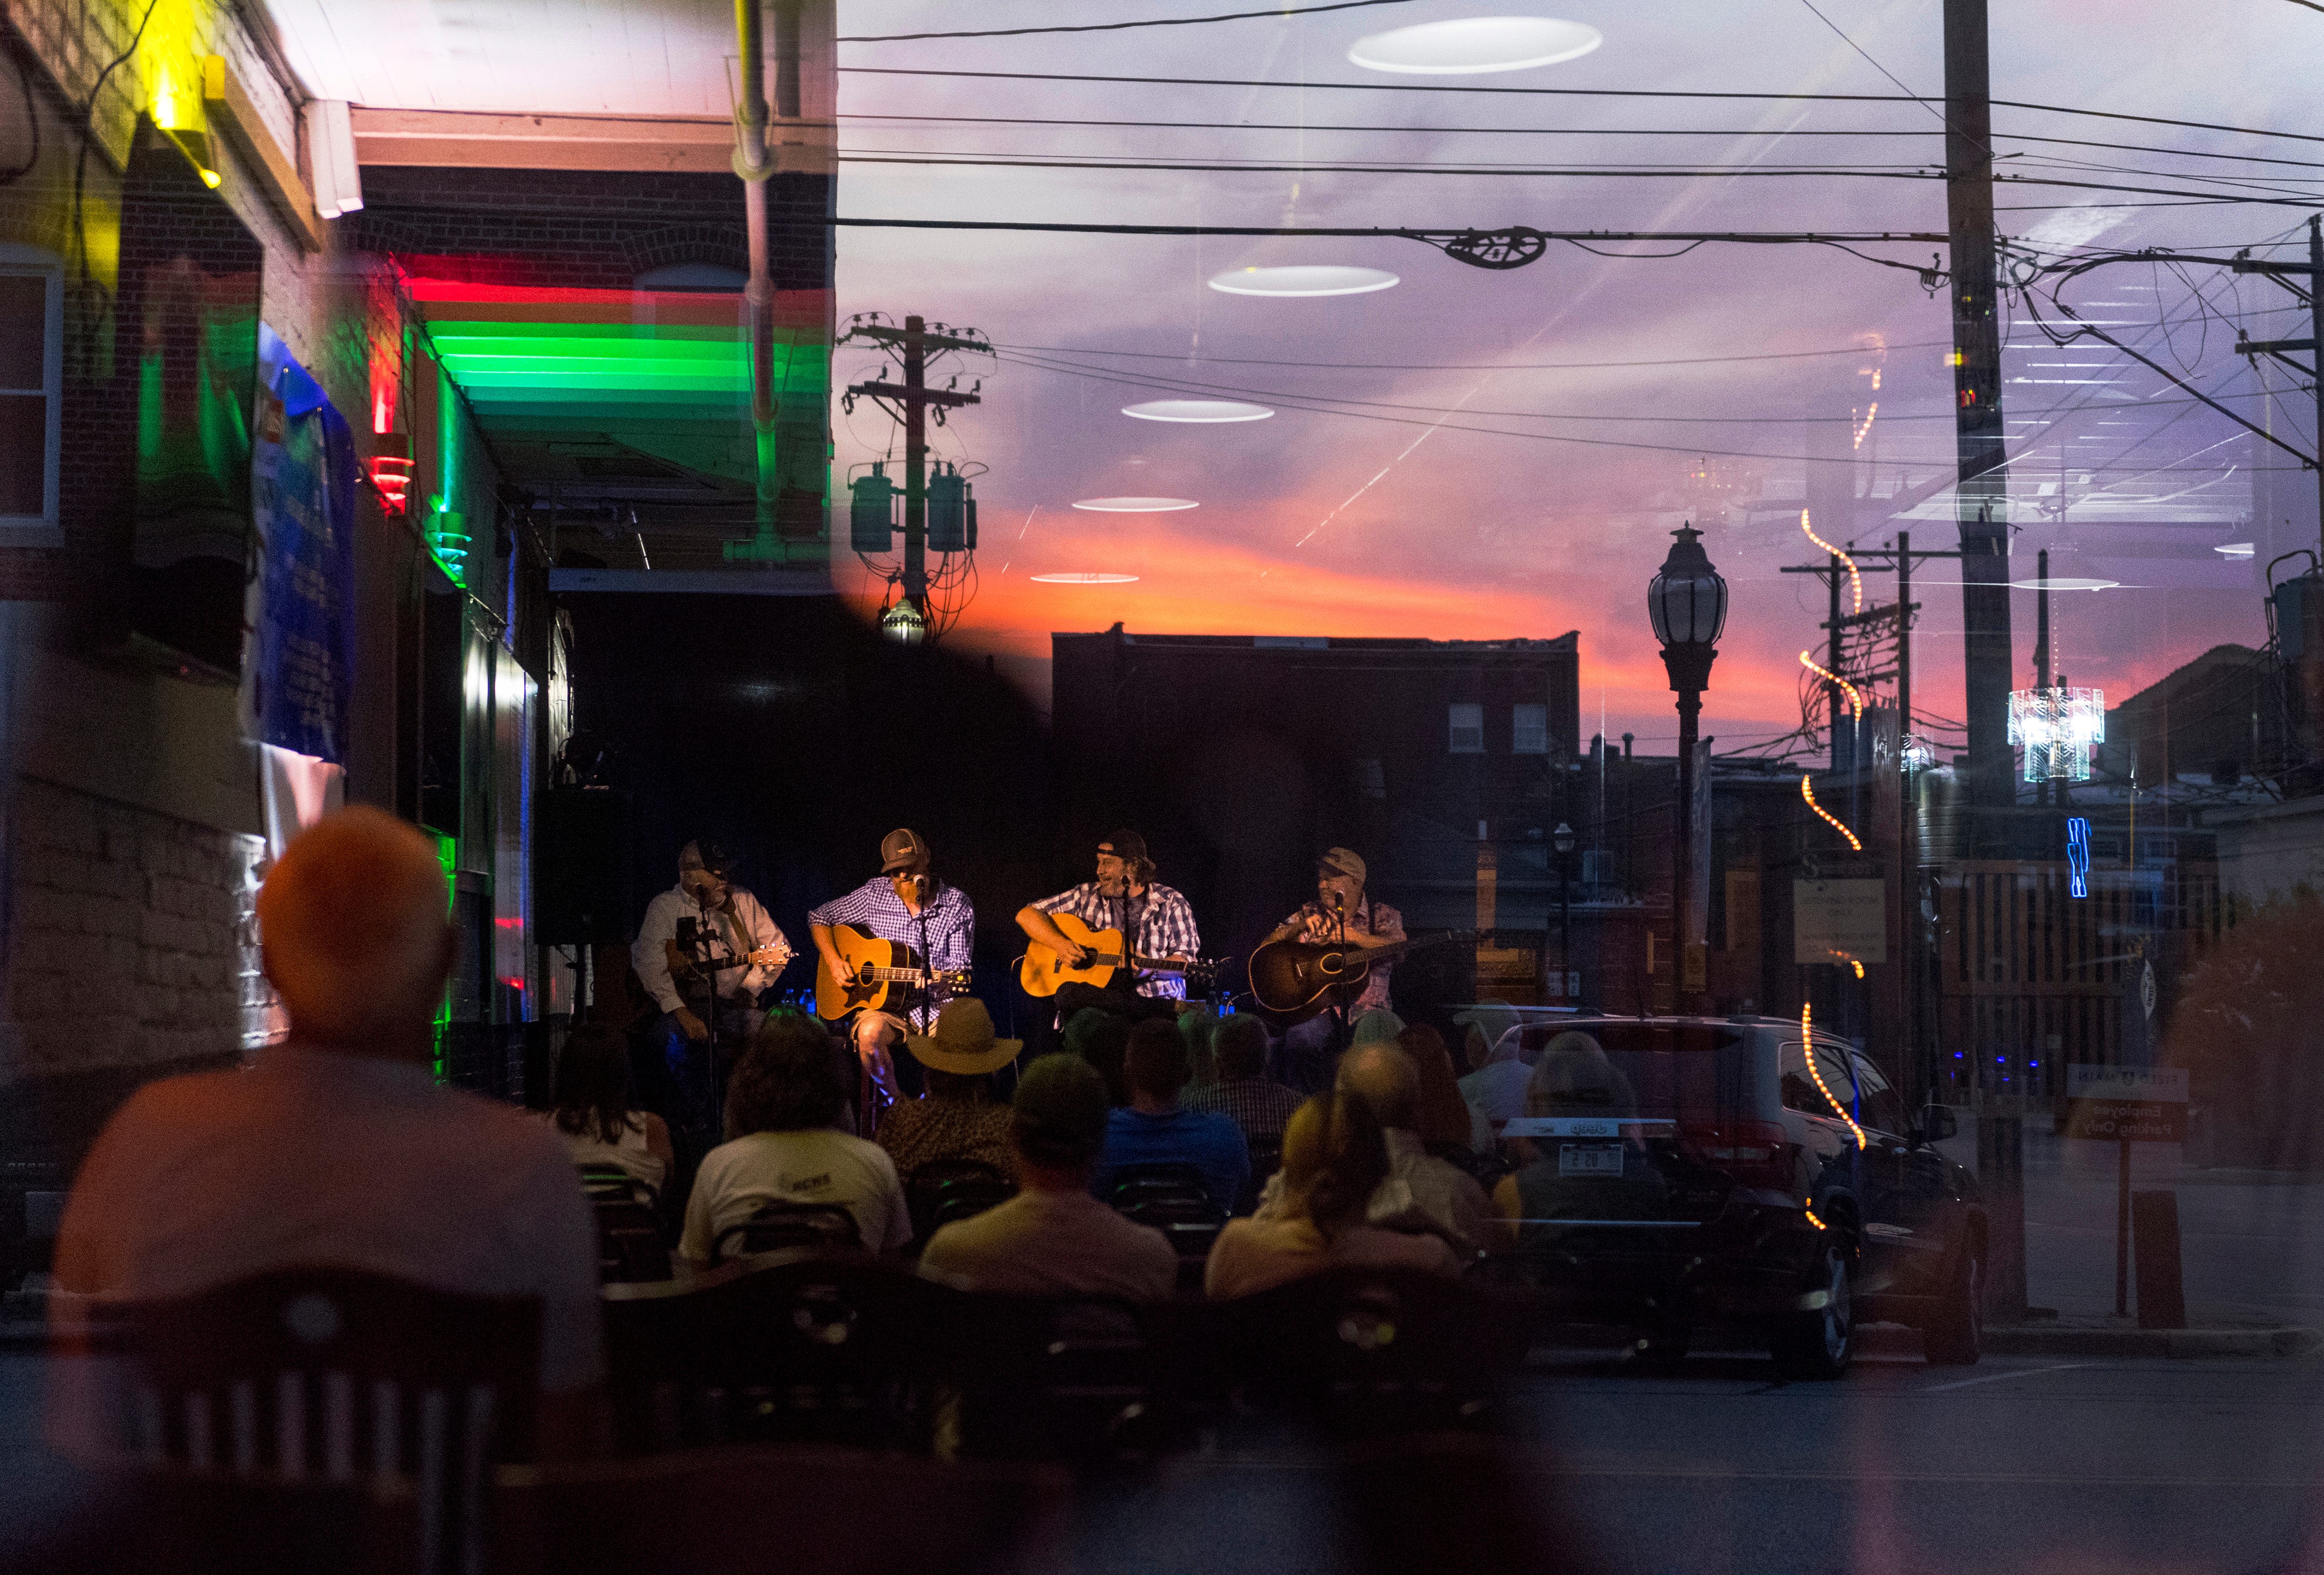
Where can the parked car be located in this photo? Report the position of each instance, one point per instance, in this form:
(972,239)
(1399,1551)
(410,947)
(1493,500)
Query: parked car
(1672,1173)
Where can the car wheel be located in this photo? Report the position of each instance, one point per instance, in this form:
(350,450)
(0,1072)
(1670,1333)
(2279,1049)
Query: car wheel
(1817,1341)
(1663,1346)
(1955,1338)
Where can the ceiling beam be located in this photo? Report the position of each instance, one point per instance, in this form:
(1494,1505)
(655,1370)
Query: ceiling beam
(479,140)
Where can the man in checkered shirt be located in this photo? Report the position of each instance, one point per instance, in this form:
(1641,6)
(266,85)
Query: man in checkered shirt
(1158,919)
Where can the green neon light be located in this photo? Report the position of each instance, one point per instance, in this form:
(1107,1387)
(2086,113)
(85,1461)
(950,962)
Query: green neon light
(447,854)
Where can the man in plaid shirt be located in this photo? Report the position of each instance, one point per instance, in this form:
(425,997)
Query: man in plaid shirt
(1156,919)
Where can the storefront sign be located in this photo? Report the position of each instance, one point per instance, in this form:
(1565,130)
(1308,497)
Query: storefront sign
(2115,1104)
(1839,921)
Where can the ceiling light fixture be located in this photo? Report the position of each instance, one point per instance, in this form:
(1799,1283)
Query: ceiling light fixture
(2235,549)
(2064,583)
(1304,279)
(1135,505)
(1471,44)
(1197,411)
(1084,578)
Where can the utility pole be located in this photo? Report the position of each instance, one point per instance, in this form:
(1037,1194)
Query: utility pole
(913,396)
(1983,488)
(2282,272)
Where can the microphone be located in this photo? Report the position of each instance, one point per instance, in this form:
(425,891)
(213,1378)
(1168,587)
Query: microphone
(689,934)
(1338,900)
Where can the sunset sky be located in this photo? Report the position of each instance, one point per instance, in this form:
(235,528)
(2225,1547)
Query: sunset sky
(1385,518)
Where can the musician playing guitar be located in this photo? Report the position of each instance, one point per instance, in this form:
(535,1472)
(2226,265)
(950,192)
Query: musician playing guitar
(1338,911)
(1156,923)
(706,916)
(906,904)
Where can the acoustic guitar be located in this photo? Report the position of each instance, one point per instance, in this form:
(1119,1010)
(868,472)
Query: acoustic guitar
(1294,975)
(1043,971)
(879,974)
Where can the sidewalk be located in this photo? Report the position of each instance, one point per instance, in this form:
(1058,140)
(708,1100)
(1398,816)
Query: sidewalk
(2251,1251)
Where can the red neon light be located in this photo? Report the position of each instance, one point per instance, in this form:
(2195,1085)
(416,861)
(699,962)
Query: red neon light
(390,477)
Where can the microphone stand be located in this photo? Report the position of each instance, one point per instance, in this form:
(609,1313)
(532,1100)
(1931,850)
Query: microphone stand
(925,886)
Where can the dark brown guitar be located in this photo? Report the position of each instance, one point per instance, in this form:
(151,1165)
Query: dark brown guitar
(1293,976)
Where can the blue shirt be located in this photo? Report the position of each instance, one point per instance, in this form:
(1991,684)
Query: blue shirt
(1212,1143)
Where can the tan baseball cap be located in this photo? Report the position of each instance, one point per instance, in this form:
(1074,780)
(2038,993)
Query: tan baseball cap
(1342,862)
(902,850)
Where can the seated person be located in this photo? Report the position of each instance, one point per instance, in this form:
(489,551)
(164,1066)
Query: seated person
(1420,1192)
(1244,1094)
(337,1147)
(1102,1039)
(1052,1239)
(1496,1088)
(593,1112)
(959,1119)
(1573,1077)
(1333,1160)
(1444,1116)
(783,1099)
(1154,1130)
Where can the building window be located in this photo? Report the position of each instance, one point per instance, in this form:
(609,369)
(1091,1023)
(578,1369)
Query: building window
(1529,729)
(1468,730)
(31,386)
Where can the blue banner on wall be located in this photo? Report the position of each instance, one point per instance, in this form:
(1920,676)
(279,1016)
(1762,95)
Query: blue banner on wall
(302,480)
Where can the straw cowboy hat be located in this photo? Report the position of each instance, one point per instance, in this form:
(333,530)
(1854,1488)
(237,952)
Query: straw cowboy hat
(962,1043)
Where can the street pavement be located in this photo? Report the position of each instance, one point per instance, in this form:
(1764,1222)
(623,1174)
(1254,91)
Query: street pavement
(2051,1468)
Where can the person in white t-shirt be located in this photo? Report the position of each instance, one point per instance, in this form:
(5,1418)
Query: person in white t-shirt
(593,1112)
(783,1101)
(337,1148)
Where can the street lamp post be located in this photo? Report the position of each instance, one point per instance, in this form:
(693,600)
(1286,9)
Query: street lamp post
(1562,839)
(1687,601)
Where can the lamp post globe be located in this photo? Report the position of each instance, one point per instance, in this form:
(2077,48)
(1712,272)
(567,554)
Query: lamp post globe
(1687,602)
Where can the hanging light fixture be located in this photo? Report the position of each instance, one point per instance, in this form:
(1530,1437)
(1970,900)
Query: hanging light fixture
(2057,727)
(1200,411)
(1135,505)
(1467,45)
(1304,279)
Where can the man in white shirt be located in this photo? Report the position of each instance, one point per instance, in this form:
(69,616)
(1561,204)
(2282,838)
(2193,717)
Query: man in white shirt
(337,1148)
(1052,1239)
(708,918)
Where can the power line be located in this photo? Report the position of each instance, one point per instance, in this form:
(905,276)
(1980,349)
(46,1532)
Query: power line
(1532,131)
(1124,26)
(1477,366)
(1562,93)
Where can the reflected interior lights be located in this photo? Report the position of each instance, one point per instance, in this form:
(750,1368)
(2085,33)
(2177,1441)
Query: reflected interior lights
(1135,505)
(1082,578)
(1811,1214)
(1807,1053)
(1199,412)
(2057,727)
(1855,700)
(1807,791)
(1304,279)
(1467,45)
(1854,580)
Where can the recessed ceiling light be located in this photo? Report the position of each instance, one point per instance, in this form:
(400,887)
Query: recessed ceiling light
(1135,505)
(2064,583)
(2235,548)
(1205,410)
(1083,579)
(1468,44)
(1304,279)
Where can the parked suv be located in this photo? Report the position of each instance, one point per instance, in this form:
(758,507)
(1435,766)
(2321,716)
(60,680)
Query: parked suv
(1676,1172)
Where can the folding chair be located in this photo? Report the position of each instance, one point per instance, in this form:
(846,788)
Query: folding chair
(781,1227)
(944,1190)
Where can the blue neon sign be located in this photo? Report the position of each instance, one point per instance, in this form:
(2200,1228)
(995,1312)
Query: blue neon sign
(2078,854)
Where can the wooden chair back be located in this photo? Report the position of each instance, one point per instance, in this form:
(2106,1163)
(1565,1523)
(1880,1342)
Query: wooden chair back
(336,1375)
(135,1520)
(830,1347)
(1369,1350)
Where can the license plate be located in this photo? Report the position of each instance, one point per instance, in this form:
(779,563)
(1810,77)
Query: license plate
(1589,1159)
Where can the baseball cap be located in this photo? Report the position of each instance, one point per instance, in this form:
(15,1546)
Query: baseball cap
(1124,844)
(1060,1111)
(1342,862)
(899,850)
(701,853)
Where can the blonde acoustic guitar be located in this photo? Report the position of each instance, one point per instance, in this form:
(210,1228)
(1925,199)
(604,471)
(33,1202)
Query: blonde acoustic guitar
(1044,970)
